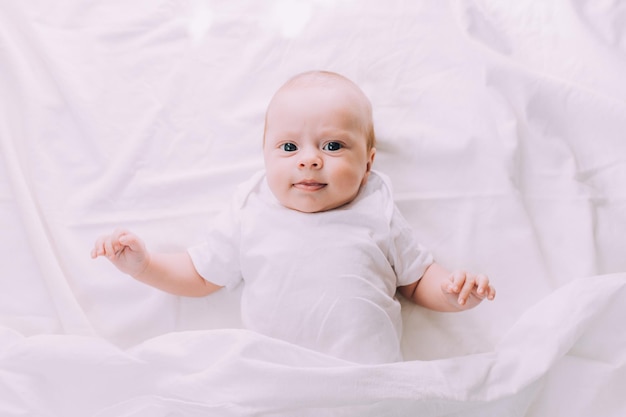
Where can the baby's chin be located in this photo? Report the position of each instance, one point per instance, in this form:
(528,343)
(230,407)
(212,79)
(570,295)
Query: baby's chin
(317,206)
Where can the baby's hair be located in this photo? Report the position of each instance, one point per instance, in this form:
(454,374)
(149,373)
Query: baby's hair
(328,78)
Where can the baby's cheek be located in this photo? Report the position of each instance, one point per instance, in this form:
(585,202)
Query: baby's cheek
(349,175)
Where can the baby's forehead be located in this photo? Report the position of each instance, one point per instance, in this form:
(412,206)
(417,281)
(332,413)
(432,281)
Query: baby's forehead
(303,88)
(338,100)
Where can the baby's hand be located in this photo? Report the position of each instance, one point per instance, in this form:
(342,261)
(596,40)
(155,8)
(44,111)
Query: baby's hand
(124,249)
(470,289)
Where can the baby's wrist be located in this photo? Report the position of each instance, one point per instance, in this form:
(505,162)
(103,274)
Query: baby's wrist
(142,271)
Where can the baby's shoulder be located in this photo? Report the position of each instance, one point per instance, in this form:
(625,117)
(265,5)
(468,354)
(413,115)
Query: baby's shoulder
(248,187)
(378,186)
(379,181)
(376,194)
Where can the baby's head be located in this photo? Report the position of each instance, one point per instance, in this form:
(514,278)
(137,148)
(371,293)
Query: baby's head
(319,142)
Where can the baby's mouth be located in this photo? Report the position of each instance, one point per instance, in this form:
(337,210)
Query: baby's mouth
(307,185)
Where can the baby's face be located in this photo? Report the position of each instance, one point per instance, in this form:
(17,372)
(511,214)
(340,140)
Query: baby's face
(316,154)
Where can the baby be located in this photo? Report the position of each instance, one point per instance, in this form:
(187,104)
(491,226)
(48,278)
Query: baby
(316,237)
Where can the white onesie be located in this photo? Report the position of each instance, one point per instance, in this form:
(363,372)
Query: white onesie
(325,281)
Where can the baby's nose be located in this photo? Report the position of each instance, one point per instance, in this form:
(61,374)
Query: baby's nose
(310,160)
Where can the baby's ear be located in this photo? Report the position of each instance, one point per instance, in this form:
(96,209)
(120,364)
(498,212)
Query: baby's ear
(370,159)
(368,167)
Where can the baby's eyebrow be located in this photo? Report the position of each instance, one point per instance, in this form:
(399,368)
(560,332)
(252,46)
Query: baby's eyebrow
(336,133)
(287,135)
(282,138)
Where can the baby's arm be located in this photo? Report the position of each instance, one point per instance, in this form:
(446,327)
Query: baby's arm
(171,272)
(442,290)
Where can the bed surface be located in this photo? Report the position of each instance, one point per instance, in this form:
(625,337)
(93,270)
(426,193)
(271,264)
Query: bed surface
(501,126)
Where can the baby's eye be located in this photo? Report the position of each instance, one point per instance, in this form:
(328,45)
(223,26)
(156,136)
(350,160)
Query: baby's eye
(332,146)
(289,147)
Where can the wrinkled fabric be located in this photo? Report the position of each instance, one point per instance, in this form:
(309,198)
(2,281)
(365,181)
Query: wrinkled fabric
(238,372)
(500,125)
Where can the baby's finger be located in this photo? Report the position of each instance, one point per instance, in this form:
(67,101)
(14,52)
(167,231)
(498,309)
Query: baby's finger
(482,284)
(491,293)
(117,239)
(448,285)
(130,240)
(109,250)
(457,280)
(466,290)
(95,251)
(98,248)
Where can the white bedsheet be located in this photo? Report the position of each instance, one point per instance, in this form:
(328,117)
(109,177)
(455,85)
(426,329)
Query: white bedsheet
(501,124)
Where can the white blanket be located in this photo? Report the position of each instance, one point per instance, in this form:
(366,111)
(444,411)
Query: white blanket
(501,126)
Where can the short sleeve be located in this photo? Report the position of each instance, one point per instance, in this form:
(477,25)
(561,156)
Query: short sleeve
(409,258)
(217,258)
